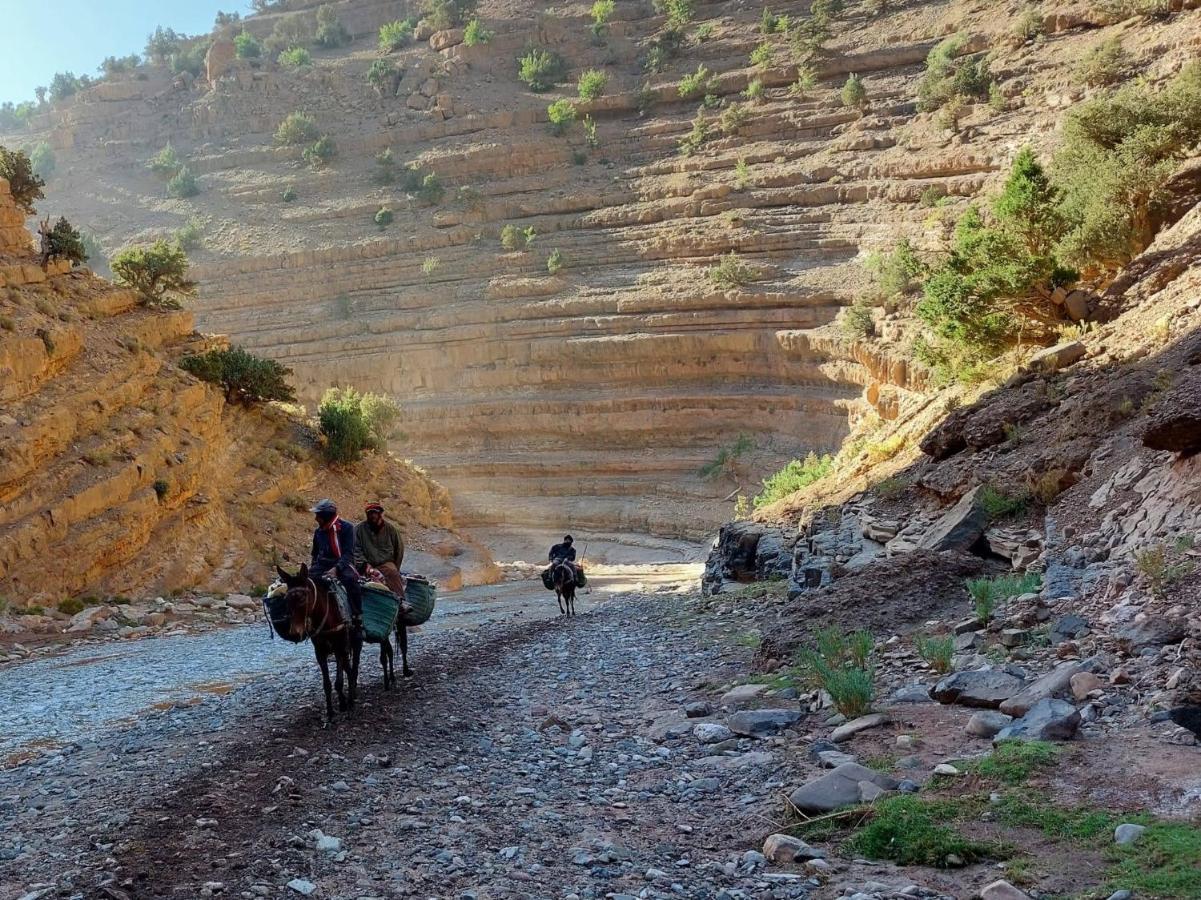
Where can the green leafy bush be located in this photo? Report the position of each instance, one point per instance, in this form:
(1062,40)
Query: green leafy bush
(320,152)
(352,423)
(43,161)
(247,46)
(1103,63)
(64,84)
(726,460)
(840,664)
(540,69)
(158,272)
(289,31)
(380,75)
(514,238)
(64,242)
(384,218)
(853,92)
(731,271)
(561,115)
(298,128)
(475,33)
(444,14)
(183,184)
(385,167)
(897,272)
(556,261)
(732,118)
(793,477)
(999,504)
(695,84)
(695,138)
(763,55)
(592,84)
(245,378)
(288,195)
(679,12)
(664,48)
(295,58)
(949,74)
(166,162)
(190,235)
(331,32)
(911,831)
(23,182)
(857,320)
(936,651)
(602,13)
(394,35)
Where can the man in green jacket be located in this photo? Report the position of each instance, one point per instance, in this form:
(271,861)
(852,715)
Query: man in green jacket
(379,550)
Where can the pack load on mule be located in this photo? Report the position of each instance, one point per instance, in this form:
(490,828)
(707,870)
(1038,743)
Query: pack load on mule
(381,607)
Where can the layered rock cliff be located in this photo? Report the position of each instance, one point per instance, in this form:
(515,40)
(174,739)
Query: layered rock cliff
(121,473)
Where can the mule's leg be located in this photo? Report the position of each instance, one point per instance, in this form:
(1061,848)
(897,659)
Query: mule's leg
(340,663)
(356,652)
(323,662)
(402,638)
(571,603)
(559,597)
(385,658)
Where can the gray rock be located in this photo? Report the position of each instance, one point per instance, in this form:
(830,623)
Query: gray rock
(1057,681)
(1068,628)
(959,527)
(302,886)
(832,759)
(839,788)
(762,722)
(1153,632)
(1127,833)
(784,848)
(911,693)
(712,733)
(986,688)
(852,728)
(697,709)
(1121,895)
(986,723)
(1002,890)
(1058,357)
(1047,720)
(742,694)
(969,640)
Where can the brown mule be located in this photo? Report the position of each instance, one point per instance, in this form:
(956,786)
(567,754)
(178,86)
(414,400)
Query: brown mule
(563,578)
(313,613)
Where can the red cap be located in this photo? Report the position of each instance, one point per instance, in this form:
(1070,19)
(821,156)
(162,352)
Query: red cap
(374,507)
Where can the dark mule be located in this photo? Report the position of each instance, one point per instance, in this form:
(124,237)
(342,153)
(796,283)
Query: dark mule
(563,577)
(313,613)
(386,660)
(402,641)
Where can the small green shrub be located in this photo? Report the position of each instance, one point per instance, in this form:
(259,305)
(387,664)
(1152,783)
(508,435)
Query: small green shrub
(1103,63)
(555,261)
(71,606)
(679,12)
(1029,25)
(331,33)
(295,58)
(798,474)
(840,664)
(1000,504)
(695,84)
(897,272)
(297,129)
(592,84)
(65,242)
(288,195)
(742,174)
(385,167)
(726,462)
(1013,762)
(352,423)
(394,35)
(475,33)
(949,74)
(806,81)
(936,651)
(590,133)
(561,115)
(246,46)
(383,218)
(602,13)
(190,235)
(43,161)
(763,55)
(730,271)
(755,90)
(245,378)
(540,69)
(853,92)
(183,184)
(514,238)
(857,320)
(380,75)
(696,137)
(320,152)
(431,265)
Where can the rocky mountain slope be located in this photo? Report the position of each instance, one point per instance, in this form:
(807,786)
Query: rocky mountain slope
(120,473)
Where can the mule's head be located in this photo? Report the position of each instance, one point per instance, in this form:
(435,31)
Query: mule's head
(300,601)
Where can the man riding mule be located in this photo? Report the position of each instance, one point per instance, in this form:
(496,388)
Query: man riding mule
(379,549)
(333,556)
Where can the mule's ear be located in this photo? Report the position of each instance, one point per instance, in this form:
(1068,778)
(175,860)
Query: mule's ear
(303,573)
(283,576)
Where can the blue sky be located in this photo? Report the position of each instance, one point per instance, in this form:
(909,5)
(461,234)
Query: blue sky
(41,38)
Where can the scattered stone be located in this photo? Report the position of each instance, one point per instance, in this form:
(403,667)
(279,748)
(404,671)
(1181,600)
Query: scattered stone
(1057,681)
(784,848)
(1154,631)
(738,696)
(987,688)
(1068,628)
(1047,720)
(959,527)
(1127,833)
(850,729)
(760,723)
(969,640)
(712,733)
(698,709)
(1083,684)
(911,693)
(832,759)
(1002,890)
(986,723)
(302,886)
(946,769)
(841,787)
(1014,637)
(1121,895)
(1053,358)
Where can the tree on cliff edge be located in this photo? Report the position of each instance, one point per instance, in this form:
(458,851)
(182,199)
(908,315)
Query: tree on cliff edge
(157,272)
(26,186)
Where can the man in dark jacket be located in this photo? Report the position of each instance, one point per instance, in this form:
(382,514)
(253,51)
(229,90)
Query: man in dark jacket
(333,554)
(564,551)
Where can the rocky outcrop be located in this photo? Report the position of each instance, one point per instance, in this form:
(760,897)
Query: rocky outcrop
(120,472)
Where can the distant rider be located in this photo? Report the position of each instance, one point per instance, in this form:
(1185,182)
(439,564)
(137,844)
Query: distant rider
(565,553)
(333,555)
(379,549)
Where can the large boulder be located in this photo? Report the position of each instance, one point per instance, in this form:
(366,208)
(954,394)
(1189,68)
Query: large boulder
(1047,720)
(849,784)
(760,723)
(1057,681)
(1153,631)
(960,526)
(983,688)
